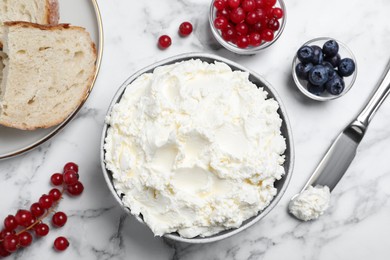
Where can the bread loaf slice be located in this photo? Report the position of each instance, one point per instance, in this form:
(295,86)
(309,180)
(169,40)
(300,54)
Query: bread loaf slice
(47,73)
(35,11)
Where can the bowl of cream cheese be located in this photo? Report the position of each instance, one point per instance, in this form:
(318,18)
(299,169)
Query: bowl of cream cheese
(197,147)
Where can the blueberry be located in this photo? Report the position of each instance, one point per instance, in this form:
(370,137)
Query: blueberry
(315,89)
(330,48)
(335,60)
(305,54)
(302,70)
(335,85)
(318,55)
(329,67)
(346,67)
(318,75)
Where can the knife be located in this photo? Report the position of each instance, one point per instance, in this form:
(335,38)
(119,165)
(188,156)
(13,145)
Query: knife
(341,153)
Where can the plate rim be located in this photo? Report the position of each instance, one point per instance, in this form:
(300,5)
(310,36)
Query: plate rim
(61,126)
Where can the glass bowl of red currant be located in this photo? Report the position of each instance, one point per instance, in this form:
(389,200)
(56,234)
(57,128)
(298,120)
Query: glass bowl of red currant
(324,69)
(247,26)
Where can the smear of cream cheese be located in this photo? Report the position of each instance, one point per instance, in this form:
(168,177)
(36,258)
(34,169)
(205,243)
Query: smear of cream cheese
(195,148)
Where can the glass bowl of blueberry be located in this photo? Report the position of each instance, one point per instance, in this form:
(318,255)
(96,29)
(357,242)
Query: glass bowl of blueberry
(324,69)
(247,26)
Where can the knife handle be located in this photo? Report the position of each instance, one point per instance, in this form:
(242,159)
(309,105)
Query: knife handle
(377,98)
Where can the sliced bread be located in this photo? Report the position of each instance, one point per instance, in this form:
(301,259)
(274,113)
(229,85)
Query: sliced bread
(48,71)
(35,11)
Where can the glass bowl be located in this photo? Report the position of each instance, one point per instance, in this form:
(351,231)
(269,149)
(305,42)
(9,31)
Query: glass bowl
(344,52)
(250,49)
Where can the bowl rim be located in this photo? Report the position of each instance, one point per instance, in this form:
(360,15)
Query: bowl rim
(251,50)
(287,135)
(331,97)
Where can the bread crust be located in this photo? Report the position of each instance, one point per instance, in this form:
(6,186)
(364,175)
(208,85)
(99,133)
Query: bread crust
(52,11)
(86,90)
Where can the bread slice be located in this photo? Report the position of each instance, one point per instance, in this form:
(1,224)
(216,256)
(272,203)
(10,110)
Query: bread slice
(48,71)
(35,11)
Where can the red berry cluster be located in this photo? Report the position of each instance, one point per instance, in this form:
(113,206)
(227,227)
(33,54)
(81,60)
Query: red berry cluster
(247,22)
(185,29)
(19,228)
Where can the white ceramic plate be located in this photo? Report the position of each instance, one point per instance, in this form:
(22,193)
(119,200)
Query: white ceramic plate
(84,13)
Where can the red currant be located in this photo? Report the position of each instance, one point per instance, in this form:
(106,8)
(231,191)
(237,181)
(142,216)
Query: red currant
(61,243)
(37,210)
(55,194)
(224,12)
(242,41)
(248,5)
(75,189)
(277,12)
(25,239)
(267,35)
(257,27)
(3,252)
(261,14)
(71,166)
(220,4)
(41,229)
(164,41)
(5,233)
(252,18)
(59,219)
(56,179)
(221,22)
(23,217)
(237,15)
(10,223)
(260,3)
(229,34)
(242,29)
(185,28)
(273,24)
(70,177)
(269,3)
(11,243)
(234,3)
(255,39)
(45,201)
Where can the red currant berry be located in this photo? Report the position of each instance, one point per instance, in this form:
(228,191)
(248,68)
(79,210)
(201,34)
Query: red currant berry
(71,166)
(260,3)
(237,15)
(224,12)
(273,24)
(55,194)
(59,219)
(257,27)
(56,179)
(277,12)
(248,5)
(75,189)
(252,18)
(269,3)
(11,243)
(185,28)
(255,39)
(41,229)
(5,233)
(37,210)
(45,201)
(242,41)
(221,22)
(242,29)
(25,239)
(219,4)
(267,35)
(61,243)
(70,177)
(10,223)
(3,252)
(23,217)
(234,3)
(229,34)
(164,41)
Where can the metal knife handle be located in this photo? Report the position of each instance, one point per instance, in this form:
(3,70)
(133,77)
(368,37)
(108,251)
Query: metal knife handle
(377,98)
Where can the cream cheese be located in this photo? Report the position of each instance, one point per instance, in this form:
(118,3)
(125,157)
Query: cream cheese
(195,148)
(311,203)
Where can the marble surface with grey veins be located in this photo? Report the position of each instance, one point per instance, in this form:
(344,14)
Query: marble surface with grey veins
(357,224)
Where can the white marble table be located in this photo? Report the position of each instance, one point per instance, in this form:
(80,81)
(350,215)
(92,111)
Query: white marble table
(357,225)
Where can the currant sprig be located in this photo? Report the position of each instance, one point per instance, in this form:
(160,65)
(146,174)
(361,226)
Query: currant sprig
(18,229)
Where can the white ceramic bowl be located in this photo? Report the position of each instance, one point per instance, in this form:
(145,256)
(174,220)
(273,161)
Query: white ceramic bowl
(281,184)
